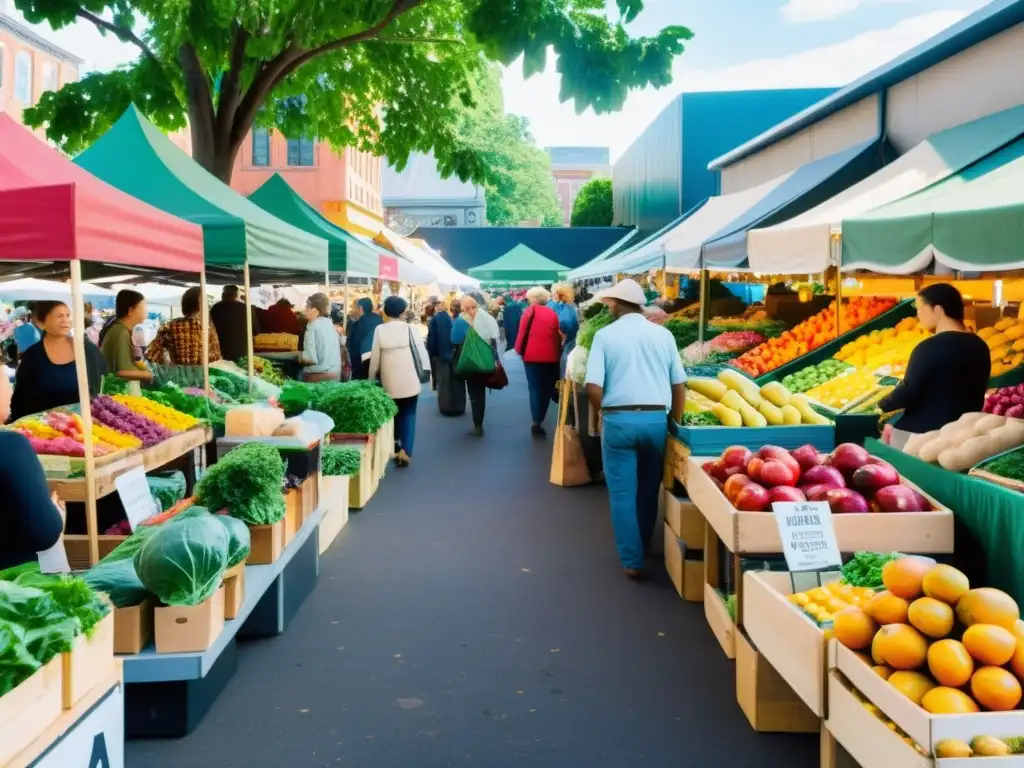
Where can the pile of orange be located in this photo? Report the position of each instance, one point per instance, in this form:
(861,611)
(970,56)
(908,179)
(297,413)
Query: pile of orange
(812,333)
(948,648)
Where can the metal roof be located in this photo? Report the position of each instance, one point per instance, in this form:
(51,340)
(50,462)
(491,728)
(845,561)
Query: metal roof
(998,16)
(579,157)
(28,35)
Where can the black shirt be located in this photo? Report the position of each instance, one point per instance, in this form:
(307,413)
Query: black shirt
(946,377)
(228,318)
(31,521)
(41,384)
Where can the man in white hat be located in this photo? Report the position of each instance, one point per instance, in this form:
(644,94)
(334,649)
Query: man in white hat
(635,378)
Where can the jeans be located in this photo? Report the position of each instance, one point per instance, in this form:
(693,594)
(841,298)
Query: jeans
(476,387)
(633,453)
(405,423)
(541,378)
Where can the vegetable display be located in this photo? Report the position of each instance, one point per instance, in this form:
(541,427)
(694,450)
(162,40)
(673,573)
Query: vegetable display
(341,460)
(198,406)
(1005,341)
(1009,465)
(593,324)
(247,483)
(885,350)
(967,442)
(1006,401)
(59,433)
(736,401)
(183,562)
(864,569)
(115,415)
(357,407)
(265,369)
(843,392)
(168,418)
(814,375)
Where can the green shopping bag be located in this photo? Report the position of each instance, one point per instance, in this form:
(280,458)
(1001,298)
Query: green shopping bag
(476,357)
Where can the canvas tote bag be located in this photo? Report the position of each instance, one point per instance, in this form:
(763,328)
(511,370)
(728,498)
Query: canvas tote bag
(568,464)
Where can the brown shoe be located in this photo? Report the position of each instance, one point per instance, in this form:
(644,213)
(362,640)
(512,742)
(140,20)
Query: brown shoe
(403,459)
(633,573)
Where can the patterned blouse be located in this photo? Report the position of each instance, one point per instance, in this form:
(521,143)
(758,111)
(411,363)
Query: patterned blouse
(180,342)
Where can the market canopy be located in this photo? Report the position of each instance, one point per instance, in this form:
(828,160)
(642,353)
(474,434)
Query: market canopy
(595,267)
(520,265)
(52,210)
(136,157)
(803,244)
(32,289)
(792,194)
(444,274)
(972,221)
(623,260)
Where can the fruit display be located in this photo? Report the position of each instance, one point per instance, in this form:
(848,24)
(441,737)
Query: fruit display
(287,342)
(821,604)
(1006,401)
(886,350)
(1005,341)
(874,710)
(736,401)
(849,479)
(814,375)
(842,392)
(948,647)
(811,334)
(967,442)
(870,403)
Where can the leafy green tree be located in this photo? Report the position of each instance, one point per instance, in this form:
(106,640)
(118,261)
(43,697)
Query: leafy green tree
(378,75)
(593,206)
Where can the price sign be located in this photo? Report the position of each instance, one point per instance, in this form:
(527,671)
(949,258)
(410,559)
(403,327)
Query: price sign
(95,741)
(808,537)
(138,502)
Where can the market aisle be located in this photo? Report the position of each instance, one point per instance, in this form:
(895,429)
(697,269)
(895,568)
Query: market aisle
(475,615)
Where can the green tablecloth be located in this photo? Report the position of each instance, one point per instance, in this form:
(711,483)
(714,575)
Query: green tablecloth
(993,516)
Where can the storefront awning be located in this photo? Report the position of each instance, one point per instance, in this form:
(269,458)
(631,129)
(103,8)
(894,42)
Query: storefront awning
(796,192)
(972,221)
(619,260)
(521,264)
(802,244)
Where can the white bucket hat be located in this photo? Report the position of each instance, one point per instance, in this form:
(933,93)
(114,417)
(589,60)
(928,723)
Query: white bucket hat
(625,290)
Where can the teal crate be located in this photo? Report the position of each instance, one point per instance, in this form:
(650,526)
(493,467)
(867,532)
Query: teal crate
(711,441)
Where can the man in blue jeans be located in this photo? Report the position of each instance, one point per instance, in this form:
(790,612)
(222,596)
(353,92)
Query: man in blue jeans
(635,378)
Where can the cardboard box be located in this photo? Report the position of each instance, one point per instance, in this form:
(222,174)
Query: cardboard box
(266,543)
(687,575)
(685,519)
(30,709)
(234,590)
(292,515)
(758,533)
(721,623)
(785,637)
(335,499)
(769,703)
(89,663)
(189,628)
(133,627)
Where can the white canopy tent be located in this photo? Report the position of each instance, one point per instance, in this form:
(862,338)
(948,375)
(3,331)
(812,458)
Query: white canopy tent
(444,274)
(408,273)
(32,289)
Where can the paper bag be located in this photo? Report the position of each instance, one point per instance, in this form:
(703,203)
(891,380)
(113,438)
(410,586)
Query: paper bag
(568,464)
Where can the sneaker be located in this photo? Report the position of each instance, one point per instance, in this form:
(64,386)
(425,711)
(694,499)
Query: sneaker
(476,432)
(537,430)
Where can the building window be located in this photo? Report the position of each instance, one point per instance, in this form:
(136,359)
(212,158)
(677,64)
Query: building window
(300,152)
(260,147)
(49,77)
(23,77)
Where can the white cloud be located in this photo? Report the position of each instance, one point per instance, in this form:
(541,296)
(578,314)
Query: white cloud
(833,65)
(801,11)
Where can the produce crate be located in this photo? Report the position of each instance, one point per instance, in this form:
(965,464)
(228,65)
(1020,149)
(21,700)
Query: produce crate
(705,441)
(90,662)
(189,628)
(766,699)
(77,548)
(335,499)
(133,627)
(685,520)
(30,709)
(266,543)
(309,496)
(292,514)
(979,472)
(717,614)
(234,590)
(685,567)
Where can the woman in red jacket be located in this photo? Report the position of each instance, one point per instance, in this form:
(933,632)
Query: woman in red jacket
(540,345)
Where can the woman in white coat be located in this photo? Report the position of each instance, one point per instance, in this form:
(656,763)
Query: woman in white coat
(400,358)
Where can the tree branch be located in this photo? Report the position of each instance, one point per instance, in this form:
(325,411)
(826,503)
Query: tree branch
(124,35)
(230,93)
(200,106)
(415,40)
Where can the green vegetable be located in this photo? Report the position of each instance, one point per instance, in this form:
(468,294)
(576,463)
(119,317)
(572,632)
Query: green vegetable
(113,384)
(730,606)
(865,569)
(700,419)
(196,406)
(239,540)
(357,407)
(16,663)
(168,488)
(183,563)
(1009,465)
(592,325)
(118,580)
(126,549)
(265,369)
(247,483)
(72,595)
(341,460)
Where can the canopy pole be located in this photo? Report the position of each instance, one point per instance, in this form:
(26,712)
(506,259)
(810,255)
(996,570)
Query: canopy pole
(250,363)
(702,317)
(84,401)
(204,315)
(347,309)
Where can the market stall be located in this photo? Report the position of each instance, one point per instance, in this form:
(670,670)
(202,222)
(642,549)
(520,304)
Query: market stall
(519,266)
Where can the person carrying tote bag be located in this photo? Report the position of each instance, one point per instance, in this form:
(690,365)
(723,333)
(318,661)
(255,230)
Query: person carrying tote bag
(568,463)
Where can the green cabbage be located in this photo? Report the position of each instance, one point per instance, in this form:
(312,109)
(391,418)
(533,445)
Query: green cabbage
(184,561)
(120,582)
(239,541)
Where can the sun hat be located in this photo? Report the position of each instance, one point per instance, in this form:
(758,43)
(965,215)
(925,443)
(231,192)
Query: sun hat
(626,290)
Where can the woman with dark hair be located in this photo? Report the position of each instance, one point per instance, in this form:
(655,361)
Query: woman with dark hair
(398,355)
(116,339)
(46,376)
(947,374)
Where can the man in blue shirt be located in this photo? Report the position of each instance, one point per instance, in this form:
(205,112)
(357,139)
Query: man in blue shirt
(27,333)
(635,378)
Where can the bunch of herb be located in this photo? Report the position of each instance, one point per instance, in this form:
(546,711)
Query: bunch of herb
(1009,465)
(341,460)
(196,406)
(71,595)
(295,398)
(591,326)
(865,568)
(265,369)
(113,384)
(246,482)
(700,419)
(357,407)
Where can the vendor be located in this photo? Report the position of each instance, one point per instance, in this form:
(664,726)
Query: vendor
(46,376)
(281,318)
(228,318)
(321,354)
(360,338)
(180,342)
(117,347)
(947,374)
(32,521)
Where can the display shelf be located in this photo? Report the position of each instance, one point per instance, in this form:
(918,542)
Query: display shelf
(150,459)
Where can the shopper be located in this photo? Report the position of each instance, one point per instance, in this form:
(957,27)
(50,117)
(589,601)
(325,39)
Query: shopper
(228,318)
(180,342)
(947,374)
(473,315)
(398,355)
(510,318)
(32,521)
(634,377)
(281,318)
(568,320)
(321,353)
(27,332)
(46,377)
(360,339)
(540,345)
(117,347)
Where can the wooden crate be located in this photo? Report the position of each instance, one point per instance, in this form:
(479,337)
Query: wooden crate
(234,590)
(686,573)
(335,502)
(266,543)
(770,704)
(77,548)
(292,514)
(28,711)
(90,661)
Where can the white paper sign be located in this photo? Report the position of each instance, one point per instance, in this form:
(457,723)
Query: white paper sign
(808,537)
(95,741)
(138,502)
(55,559)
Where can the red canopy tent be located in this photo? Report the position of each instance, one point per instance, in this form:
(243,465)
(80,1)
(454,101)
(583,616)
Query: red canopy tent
(52,210)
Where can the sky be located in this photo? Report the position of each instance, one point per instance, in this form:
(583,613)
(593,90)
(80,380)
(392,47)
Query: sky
(737,45)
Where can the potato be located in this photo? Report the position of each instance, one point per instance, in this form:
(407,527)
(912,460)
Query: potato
(914,444)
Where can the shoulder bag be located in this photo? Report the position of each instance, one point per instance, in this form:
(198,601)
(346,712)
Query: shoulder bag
(422,374)
(526,334)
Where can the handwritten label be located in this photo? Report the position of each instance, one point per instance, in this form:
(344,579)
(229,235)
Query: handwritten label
(138,502)
(808,537)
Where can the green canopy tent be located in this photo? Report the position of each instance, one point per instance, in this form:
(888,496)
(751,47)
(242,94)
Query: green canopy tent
(972,221)
(520,266)
(137,158)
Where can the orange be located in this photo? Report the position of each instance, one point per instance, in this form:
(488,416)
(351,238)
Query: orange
(990,644)
(945,583)
(854,628)
(876,644)
(913,685)
(996,689)
(950,663)
(987,606)
(948,701)
(904,577)
(931,617)
(882,671)
(902,646)
(886,608)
